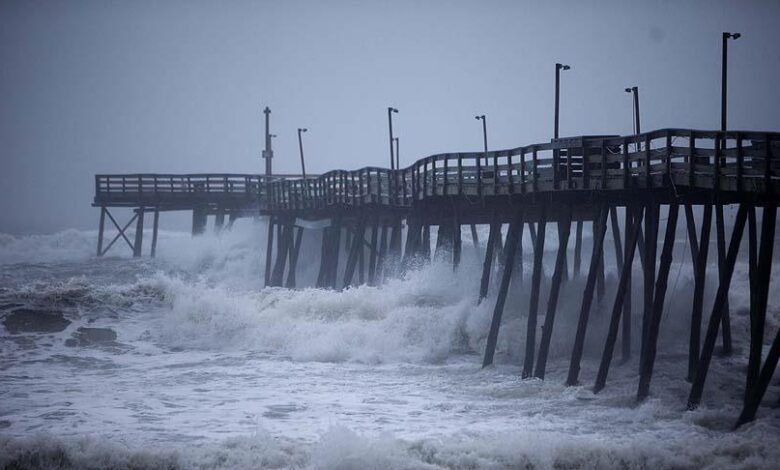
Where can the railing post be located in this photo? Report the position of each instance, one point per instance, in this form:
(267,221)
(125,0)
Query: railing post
(740,162)
(648,175)
(446,174)
(510,178)
(585,166)
(603,166)
(495,173)
(460,175)
(522,171)
(626,167)
(433,174)
(669,155)
(425,178)
(692,159)
(718,152)
(768,165)
(535,169)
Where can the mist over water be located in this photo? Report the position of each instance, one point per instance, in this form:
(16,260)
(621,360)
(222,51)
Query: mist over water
(209,370)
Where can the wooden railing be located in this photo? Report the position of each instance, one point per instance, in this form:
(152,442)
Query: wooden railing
(719,161)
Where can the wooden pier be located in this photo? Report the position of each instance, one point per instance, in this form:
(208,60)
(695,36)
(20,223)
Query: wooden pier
(386,218)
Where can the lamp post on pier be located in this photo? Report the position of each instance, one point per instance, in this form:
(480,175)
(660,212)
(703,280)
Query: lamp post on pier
(397,152)
(724,77)
(300,146)
(482,118)
(268,153)
(635,92)
(558,68)
(390,111)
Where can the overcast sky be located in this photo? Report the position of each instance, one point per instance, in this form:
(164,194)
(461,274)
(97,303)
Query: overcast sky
(149,86)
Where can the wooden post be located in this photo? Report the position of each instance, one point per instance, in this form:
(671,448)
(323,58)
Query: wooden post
(456,241)
(285,240)
(700,274)
(578,249)
(294,251)
(394,252)
(382,255)
(155,226)
(219,219)
(760,290)
(600,279)
(357,244)
(372,257)
(721,232)
(475,241)
(613,217)
(426,242)
(600,227)
(632,235)
(646,367)
(626,336)
(533,307)
(101,229)
(333,267)
(498,311)
(564,228)
(694,398)
(139,233)
(199,215)
(487,265)
(269,251)
(324,255)
(652,213)
(756,330)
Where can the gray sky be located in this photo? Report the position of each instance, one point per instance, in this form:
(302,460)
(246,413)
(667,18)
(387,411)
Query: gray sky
(147,86)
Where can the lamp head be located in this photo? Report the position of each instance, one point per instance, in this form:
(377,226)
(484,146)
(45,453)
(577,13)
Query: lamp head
(392,110)
(732,35)
(562,67)
(628,90)
(480,117)
(272,135)
(302,129)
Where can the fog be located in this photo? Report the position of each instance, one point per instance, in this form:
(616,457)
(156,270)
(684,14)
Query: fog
(117,87)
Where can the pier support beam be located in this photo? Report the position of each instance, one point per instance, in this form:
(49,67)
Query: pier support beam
(294,251)
(199,215)
(599,229)
(354,251)
(646,367)
(374,251)
(515,228)
(533,307)
(564,228)
(139,233)
(269,251)
(632,235)
(694,398)
(726,319)
(700,277)
(758,377)
(155,227)
(101,228)
(652,214)
(487,265)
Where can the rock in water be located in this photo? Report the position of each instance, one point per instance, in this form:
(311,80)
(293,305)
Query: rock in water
(89,336)
(25,320)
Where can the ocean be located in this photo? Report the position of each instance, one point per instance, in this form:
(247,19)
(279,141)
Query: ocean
(186,361)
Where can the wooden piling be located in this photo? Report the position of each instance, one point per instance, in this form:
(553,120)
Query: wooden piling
(600,228)
(578,249)
(646,367)
(155,226)
(101,229)
(533,306)
(700,274)
(139,233)
(357,245)
(632,235)
(498,311)
(294,252)
(694,398)
(374,251)
(652,214)
(564,228)
(726,319)
(487,265)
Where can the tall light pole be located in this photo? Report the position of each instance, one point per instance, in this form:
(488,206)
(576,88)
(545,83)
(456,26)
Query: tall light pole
(397,152)
(482,118)
(268,153)
(558,68)
(390,111)
(300,146)
(635,91)
(724,77)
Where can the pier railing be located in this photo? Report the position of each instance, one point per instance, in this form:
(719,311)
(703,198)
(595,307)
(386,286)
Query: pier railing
(719,161)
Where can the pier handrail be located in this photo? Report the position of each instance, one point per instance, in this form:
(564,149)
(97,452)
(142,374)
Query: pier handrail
(723,161)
